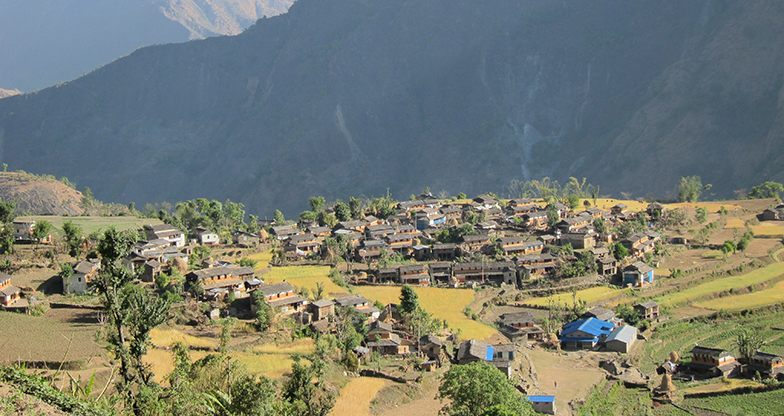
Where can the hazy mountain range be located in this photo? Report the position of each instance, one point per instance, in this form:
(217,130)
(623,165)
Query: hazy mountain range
(44,42)
(351,97)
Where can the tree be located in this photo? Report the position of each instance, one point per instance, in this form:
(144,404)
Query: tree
(461,195)
(73,238)
(355,205)
(480,389)
(600,224)
(304,396)
(689,189)
(573,201)
(552,215)
(628,314)
(317,203)
(264,312)
(748,342)
(342,211)
(728,247)
(701,215)
(41,230)
(619,251)
(132,313)
(7,212)
(277,216)
(766,190)
(409,300)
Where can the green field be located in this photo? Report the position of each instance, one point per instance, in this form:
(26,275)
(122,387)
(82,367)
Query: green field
(749,300)
(92,224)
(724,284)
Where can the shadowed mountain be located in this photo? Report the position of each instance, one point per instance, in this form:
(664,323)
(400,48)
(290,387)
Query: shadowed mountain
(351,97)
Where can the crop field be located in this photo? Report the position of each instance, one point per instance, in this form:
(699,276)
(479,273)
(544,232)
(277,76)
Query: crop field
(355,398)
(442,303)
(303,277)
(727,384)
(757,404)
(774,294)
(262,258)
(162,361)
(302,346)
(92,224)
(271,365)
(47,337)
(724,284)
(769,229)
(594,294)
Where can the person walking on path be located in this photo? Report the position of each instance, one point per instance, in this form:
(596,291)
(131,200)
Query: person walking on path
(556,384)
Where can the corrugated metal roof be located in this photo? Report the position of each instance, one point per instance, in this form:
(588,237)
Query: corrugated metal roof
(625,334)
(542,399)
(593,326)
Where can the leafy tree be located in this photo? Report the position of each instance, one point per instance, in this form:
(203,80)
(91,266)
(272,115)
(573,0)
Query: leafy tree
(701,215)
(619,251)
(132,313)
(355,205)
(7,212)
(342,211)
(317,203)
(277,216)
(600,225)
(7,239)
(327,219)
(409,300)
(253,224)
(41,230)
(422,322)
(304,396)
(552,215)
(73,238)
(628,314)
(766,190)
(480,389)
(748,342)
(728,247)
(689,189)
(264,312)
(307,216)
(573,201)
(744,241)
(461,196)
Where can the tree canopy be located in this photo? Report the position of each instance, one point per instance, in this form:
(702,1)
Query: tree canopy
(479,389)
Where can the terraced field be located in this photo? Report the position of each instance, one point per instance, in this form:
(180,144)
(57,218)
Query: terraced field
(749,300)
(303,277)
(724,284)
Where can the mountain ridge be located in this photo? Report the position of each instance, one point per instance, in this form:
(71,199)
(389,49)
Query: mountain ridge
(357,97)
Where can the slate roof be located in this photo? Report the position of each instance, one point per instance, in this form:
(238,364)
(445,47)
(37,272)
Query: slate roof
(767,357)
(323,303)
(4,278)
(352,300)
(268,290)
(475,348)
(517,318)
(430,339)
(648,305)
(603,314)
(711,352)
(10,290)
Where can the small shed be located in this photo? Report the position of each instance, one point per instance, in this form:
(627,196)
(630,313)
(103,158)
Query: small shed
(543,404)
(621,339)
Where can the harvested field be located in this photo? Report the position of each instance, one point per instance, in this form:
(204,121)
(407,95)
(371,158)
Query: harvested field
(92,224)
(166,337)
(271,365)
(594,294)
(710,206)
(724,284)
(769,229)
(302,346)
(162,361)
(728,384)
(442,303)
(47,337)
(303,277)
(759,404)
(355,398)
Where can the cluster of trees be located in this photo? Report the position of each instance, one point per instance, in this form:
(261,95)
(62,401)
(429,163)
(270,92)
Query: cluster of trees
(329,214)
(221,218)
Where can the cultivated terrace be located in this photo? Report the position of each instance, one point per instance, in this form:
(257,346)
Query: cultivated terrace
(553,300)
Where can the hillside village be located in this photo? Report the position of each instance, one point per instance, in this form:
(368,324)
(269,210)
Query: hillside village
(508,251)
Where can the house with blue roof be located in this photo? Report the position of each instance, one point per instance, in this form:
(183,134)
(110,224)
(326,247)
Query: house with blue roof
(543,404)
(585,333)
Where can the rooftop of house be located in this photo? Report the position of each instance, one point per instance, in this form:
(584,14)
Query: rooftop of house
(648,305)
(275,289)
(592,326)
(711,352)
(475,348)
(623,333)
(430,339)
(323,303)
(352,300)
(600,313)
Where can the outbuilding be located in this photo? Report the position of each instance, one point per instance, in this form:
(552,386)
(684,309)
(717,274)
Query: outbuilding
(621,339)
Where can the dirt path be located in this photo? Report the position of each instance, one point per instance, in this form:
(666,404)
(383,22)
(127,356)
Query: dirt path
(575,374)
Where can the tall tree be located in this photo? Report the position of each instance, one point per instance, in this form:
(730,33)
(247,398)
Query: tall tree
(306,391)
(73,238)
(317,203)
(278,217)
(41,230)
(689,189)
(409,300)
(767,190)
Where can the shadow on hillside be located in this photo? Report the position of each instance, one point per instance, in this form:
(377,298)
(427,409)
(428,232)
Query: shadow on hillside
(52,286)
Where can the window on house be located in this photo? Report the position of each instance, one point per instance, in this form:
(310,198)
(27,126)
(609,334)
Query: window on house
(79,279)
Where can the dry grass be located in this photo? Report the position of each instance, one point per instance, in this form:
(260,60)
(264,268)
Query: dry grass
(710,206)
(355,398)
(724,284)
(442,303)
(302,346)
(271,365)
(303,276)
(735,223)
(262,258)
(162,361)
(606,204)
(749,300)
(591,295)
(167,338)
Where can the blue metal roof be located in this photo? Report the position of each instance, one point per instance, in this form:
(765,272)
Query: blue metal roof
(542,399)
(489,355)
(593,326)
